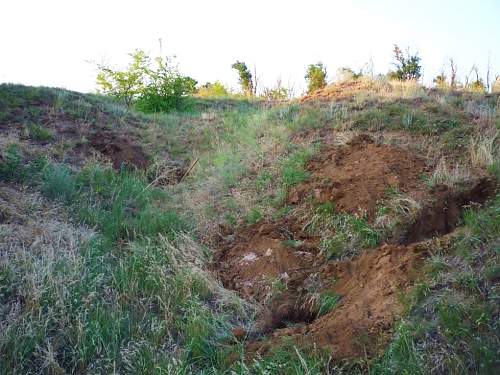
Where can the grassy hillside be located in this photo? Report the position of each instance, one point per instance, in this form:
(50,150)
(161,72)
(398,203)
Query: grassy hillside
(353,231)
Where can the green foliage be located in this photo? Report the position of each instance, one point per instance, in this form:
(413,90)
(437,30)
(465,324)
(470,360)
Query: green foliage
(477,86)
(245,77)
(11,164)
(347,74)
(254,216)
(58,183)
(157,87)
(278,92)
(315,77)
(407,67)
(165,88)
(213,90)
(125,84)
(350,234)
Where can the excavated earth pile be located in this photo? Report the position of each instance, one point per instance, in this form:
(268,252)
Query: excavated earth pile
(356,176)
(280,266)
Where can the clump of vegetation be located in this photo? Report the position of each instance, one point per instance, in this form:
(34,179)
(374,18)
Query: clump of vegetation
(38,133)
(213,90)
(154,87)
(245,78)
(327,302)
(407,66)
(315,77)
(278,92)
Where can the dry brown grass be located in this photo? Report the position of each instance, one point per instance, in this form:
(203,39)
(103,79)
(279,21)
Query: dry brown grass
(484,150)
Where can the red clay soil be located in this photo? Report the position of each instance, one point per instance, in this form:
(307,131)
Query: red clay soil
(260,257)
(341,91)
(122,150)
(356,176)
(370,288)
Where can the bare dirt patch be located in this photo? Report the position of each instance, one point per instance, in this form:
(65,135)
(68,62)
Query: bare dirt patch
(356,176)
(122,150)
(260,257)
(343,91)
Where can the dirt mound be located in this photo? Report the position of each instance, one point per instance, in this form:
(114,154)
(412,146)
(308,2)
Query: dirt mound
(122,150)
(369,288)
(443,213)
(343,90)
(356,176)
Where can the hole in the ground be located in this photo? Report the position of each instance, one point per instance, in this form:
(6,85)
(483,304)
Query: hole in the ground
(444,213)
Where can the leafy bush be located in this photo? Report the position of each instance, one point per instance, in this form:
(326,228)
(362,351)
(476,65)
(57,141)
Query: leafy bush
(440,82)
(11,164)
(210,90)
(156,87)
(245,77)
(315,77)
(165,93)
(407,67)
(124,84)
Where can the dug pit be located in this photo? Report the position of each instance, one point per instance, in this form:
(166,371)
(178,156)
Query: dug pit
(121,150)
(279,265)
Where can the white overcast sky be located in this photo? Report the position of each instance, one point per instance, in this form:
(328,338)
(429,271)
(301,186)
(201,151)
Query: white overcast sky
(50,42)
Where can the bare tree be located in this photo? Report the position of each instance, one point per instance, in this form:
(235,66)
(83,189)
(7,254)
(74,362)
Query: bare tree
(453,75)
(488,73)
(255,79)
(468,75)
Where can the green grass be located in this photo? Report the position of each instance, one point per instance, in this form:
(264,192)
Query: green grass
(451,325)
(154,295)
(39,133)
(327,302)
(285,358)
(293,167)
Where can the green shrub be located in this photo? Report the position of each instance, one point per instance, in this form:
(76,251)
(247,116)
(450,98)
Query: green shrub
(245,77)
(315,77)
(39,133)
(407,67)
(213,90)
(156,88)
(59,183)
(11,167)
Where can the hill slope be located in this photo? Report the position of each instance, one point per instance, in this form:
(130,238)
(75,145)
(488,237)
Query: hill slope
(353,231)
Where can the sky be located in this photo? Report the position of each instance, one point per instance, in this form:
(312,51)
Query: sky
(58,42)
